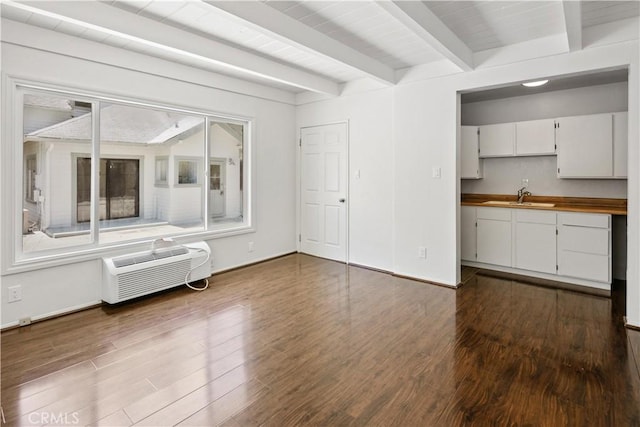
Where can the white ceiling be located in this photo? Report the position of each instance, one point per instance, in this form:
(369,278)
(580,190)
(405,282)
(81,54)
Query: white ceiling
(489,24)
(319,46)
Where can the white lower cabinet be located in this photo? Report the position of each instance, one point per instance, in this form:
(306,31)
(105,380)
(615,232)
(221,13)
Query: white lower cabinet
(584,246)
(494,236)
(575,247)
(468,233)
(535,241)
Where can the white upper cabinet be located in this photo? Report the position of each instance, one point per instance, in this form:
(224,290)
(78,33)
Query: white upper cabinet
(590,146)
(470,164)
(620,144)
(535,138)
(497,140)
(585,146)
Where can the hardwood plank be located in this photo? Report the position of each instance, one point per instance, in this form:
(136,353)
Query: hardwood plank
(190,403)
(226,406)
(117,419)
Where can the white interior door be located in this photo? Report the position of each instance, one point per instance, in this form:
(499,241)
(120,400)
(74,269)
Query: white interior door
(323,210)
(216,187)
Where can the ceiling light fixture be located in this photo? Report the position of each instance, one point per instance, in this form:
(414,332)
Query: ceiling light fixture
(536,83)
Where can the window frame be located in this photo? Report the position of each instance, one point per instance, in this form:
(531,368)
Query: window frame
(157,182)
(14,260)
(197,168)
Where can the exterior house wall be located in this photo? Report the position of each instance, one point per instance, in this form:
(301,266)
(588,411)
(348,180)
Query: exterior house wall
(224,146)
(186,200)
(161,202)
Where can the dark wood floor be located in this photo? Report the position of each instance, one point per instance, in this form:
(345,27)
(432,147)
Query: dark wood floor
(304,341)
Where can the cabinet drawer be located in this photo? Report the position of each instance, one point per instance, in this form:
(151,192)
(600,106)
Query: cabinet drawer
(584,266)
(584,240)
(536,217)
(497,214)
(584,220)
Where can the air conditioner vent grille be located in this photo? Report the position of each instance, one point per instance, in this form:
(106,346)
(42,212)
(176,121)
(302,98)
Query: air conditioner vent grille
(141,273)
(146,280)
(127,260)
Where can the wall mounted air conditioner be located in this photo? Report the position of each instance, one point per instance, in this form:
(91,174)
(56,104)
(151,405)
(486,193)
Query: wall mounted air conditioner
(130,276)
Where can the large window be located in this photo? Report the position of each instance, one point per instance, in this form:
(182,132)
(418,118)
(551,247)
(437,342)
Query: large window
(141,174)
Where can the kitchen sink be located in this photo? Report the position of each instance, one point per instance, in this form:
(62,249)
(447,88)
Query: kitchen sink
(516,204)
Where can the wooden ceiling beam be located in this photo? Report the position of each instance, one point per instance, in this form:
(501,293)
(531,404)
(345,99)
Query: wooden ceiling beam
(417,17)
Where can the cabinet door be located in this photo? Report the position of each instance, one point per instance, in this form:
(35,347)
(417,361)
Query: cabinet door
(535,137)
(497,140)
(585,146)
(469,161)
(620,144)
(494,236)
(468,233)
(536,247)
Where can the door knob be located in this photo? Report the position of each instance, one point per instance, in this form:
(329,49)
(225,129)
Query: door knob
(341,200)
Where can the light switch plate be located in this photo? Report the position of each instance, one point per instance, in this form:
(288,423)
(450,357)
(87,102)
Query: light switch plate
(436,172)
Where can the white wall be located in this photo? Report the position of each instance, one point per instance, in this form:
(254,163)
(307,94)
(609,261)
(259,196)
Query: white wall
(504,175)
(57,289)
(371,152)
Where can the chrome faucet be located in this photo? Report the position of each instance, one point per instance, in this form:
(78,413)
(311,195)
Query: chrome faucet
(522,194)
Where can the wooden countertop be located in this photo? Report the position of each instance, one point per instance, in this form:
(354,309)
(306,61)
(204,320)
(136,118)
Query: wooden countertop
(568,204)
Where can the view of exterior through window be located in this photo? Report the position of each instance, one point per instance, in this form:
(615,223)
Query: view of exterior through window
(150,178)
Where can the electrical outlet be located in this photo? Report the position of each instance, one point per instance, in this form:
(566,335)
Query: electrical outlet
(15,293)
(24,321)
(422,252)
(525,182)
(250,246)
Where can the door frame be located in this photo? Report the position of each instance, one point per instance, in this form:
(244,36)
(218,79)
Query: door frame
(74,180)
(347,187)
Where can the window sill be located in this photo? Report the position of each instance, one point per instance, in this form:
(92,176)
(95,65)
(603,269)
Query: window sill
(87,254)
